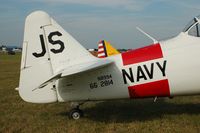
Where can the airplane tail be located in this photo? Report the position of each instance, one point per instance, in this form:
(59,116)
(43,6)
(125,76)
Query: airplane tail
(47,50)
(105,49)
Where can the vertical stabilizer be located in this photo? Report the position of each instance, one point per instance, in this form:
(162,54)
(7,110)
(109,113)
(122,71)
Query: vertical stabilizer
(105,49)
(47,49)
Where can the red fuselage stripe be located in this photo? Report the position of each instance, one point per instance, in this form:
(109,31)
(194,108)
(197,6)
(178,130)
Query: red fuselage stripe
(142,54)
(152,89)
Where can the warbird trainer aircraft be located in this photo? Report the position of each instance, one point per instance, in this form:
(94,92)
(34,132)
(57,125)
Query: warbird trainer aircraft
(56,68)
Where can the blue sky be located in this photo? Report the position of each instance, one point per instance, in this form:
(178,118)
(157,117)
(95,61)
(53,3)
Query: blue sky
(92,20)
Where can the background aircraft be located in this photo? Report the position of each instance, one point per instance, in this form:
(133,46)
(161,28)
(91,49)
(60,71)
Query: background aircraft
(57,68)
(105,49)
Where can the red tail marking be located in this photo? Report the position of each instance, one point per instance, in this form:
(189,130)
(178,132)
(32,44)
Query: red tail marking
(100,52)
(100,47)
(102,56)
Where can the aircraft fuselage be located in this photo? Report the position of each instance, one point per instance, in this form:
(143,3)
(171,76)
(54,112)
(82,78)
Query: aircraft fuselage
(166,69)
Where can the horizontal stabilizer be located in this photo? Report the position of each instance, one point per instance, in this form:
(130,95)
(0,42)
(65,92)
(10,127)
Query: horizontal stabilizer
(79,68)
(76,69)
(53,78)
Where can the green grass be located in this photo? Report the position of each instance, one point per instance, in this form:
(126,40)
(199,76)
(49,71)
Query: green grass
(178,115)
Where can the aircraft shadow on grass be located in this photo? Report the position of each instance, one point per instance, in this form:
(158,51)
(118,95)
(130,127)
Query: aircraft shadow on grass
(137,110)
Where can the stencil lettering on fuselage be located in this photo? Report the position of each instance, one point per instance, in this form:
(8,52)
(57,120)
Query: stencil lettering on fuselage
(143,72)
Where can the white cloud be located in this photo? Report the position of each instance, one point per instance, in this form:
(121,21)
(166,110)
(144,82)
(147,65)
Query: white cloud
(124,4)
